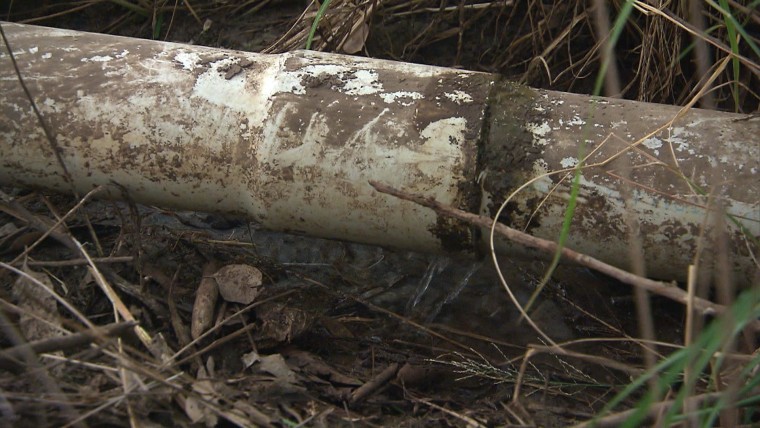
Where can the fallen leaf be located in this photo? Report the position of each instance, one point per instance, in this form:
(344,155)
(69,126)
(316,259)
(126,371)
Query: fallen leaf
(239,283)
(196,408)
(273,379)
(40,317)
(313,365)
(205,301)
(7,230)
(354,42)
(276,366)
(282,323)
(250,359)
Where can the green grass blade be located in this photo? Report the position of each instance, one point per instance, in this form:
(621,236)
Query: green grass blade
(697,356)
(721,332)
(734,42)
(617,30)
(745,391)
(315,24)
(158,26)
(738,27)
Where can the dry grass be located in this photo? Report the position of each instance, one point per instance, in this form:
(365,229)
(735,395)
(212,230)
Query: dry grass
(665,51)
(669,52)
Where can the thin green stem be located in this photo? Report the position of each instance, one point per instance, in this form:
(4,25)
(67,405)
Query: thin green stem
(315,24)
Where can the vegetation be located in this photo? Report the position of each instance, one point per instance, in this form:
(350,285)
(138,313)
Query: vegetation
(689,370)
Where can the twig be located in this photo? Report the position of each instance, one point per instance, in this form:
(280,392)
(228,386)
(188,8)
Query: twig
(10,359)
(63,302)
(39,373)
(218,326)
(80,261)
(469,422)
(616,419)
(116,302)
(596,359)
(15,209)
(389,313)
(672,292)
(373,384)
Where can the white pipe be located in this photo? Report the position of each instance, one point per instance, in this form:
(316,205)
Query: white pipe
(292,140)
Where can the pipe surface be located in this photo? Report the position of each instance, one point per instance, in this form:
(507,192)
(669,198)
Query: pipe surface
(676,180)
(292,140)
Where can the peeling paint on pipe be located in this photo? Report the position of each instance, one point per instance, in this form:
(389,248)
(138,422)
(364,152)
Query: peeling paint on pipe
(665,183)
(287,140)
(291,141)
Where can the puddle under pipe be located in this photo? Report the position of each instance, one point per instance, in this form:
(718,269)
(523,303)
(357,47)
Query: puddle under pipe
(292,140)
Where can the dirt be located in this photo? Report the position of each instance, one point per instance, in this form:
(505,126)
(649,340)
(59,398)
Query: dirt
(336,314)
(339,334)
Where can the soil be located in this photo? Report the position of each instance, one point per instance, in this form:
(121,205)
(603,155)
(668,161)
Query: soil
(339,334)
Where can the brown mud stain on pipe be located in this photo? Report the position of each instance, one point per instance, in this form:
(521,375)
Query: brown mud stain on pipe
(668,183)
(348,122)
(508,152)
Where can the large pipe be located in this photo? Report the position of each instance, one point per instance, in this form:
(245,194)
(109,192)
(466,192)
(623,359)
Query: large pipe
(292,140)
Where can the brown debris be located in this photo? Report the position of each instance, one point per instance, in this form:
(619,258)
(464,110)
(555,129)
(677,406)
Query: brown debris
(325,348)
(35,296)
(239,283)
(10,357)
(205,302)
(374,384)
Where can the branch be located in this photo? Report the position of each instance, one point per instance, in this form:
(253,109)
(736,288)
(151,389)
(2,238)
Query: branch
(664,289)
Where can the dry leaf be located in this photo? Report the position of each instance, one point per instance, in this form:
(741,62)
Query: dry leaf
(247,414)
(19,240)
(282,323)
(313,365)
(196,409)
(205,302)
(250,359)
(33,297)
(7,230)
(239,283)
(276,366)
(354,41)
